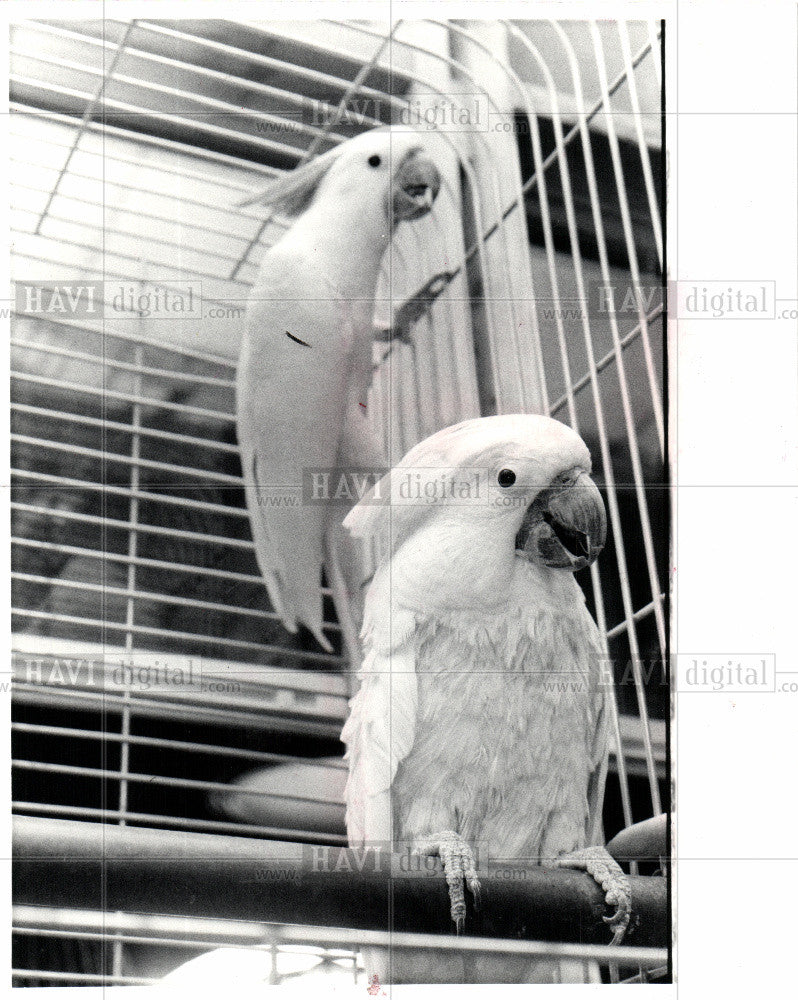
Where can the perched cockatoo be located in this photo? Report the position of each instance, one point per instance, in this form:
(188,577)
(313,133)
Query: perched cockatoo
(306,358)
(462,732)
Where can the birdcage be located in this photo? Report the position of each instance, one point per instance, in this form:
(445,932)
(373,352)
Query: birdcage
(157,699)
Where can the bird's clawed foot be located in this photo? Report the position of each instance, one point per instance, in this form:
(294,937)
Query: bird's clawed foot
(459,867)
(605,870)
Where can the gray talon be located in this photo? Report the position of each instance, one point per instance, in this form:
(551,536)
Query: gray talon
(612,879)
(458,866)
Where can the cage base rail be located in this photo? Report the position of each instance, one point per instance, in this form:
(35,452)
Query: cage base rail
(66,863)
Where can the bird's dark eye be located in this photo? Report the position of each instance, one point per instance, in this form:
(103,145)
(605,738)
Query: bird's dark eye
(374,161)
(506,477)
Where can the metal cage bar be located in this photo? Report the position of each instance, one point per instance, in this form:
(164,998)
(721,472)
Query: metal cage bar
(601,423)
(194,933)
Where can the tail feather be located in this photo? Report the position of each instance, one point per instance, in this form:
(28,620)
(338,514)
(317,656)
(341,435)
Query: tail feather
(300,601)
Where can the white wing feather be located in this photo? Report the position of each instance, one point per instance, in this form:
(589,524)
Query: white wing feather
(381,727)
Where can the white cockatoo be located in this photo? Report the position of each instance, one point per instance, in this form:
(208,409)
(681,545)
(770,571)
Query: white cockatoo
(306,358)
(482,713)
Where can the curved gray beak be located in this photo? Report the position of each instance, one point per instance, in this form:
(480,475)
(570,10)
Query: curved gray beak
(415,186)
(566,526)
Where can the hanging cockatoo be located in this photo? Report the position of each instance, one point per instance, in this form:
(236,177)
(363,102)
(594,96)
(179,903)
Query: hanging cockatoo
(481,716)
(306,359)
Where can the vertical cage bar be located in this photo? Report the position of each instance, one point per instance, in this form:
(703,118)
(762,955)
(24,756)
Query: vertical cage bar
(503,65)
(87,116)
(562,162)
(513,302)
(485,180)
(654,42)
(637,117)
(130,620)
(612,503)
(617,739)
(634,451)
(628,232)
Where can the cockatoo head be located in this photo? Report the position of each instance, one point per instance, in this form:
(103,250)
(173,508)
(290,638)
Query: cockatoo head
(385,167)
(477,496)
